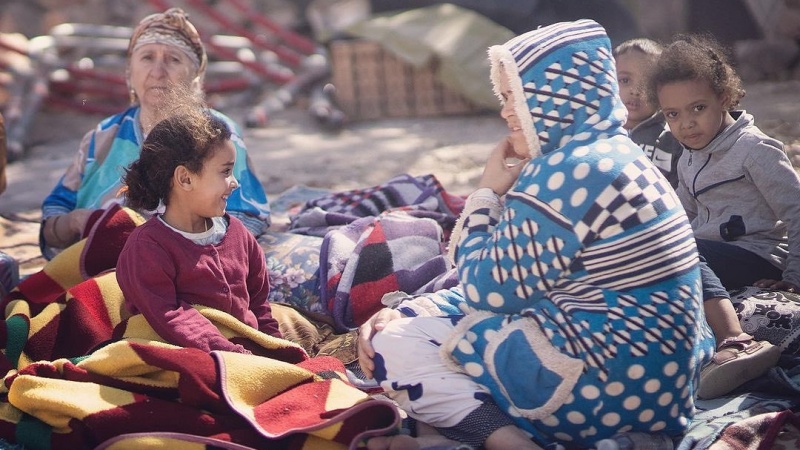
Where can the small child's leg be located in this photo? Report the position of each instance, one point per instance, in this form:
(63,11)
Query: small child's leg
(721,317)
(739,357)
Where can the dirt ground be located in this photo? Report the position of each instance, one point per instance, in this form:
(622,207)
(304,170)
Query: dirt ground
(294,150)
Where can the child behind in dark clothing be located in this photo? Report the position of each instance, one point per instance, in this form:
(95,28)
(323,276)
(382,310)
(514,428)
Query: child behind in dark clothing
(194,253)
(645,125)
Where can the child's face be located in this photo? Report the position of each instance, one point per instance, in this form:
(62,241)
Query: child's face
(215,182)
(694,113)
(631,72)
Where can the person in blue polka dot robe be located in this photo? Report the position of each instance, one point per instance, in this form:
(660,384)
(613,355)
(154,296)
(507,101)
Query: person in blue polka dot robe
(579,311)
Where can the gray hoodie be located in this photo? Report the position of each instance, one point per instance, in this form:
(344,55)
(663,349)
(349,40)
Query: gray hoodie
(745,173)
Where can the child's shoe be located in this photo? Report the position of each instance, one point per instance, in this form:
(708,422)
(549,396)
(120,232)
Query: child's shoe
(737,361)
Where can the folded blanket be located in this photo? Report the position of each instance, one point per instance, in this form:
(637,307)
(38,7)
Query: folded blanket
(36,309)
(104,237)
(377,255)
(142,386)
(80,372)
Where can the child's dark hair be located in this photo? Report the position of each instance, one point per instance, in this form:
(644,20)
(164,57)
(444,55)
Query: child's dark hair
(646,46)
(187,138)
(696,57)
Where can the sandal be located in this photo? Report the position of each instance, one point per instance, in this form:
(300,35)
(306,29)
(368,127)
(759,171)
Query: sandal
(737,361)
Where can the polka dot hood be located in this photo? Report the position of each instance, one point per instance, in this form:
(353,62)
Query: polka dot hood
(564,81)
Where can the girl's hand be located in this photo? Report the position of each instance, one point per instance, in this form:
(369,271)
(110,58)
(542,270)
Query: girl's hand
(365,333)
(499,174)
(777,285)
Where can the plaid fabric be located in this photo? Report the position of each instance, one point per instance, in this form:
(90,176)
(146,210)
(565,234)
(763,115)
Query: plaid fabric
(80,372)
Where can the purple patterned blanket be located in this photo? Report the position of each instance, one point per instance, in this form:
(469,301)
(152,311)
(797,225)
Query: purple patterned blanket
(421,196)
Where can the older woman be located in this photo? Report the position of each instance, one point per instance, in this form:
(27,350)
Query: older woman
(165,55)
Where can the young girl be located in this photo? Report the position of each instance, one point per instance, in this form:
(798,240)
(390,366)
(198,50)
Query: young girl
(194,253)
(739,358)
(736,183)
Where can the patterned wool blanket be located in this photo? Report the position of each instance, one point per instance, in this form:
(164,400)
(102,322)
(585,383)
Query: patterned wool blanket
(421,196)
(385,238)
(744,421)
(82,373)
(374,256)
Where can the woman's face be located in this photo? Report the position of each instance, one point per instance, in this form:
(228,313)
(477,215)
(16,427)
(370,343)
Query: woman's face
(154,68)
(516,137)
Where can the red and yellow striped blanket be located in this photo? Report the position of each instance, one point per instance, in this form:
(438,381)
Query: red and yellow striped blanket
(81,373)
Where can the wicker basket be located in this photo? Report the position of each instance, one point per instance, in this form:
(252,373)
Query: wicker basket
(372,83)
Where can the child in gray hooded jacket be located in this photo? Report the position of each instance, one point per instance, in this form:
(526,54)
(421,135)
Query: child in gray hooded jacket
(737,184)
(739,357)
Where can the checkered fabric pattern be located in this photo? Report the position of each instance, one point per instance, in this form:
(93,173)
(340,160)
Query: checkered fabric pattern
(620,206)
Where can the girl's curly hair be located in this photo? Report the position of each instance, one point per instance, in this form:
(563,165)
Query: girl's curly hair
(696,57)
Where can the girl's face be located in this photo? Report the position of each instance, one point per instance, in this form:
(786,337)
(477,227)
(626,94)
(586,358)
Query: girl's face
(154,68)
(631,73)
(694,113)
(517,137)
(215,182)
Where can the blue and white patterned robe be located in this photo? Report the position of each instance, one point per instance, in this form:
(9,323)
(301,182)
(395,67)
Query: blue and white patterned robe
(582,292)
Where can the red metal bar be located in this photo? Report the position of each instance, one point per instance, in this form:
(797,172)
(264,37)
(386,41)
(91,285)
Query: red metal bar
(99,75)
(91,107)
(225,52)
(283,53)
(227,85)
(266,73)
(298,41)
